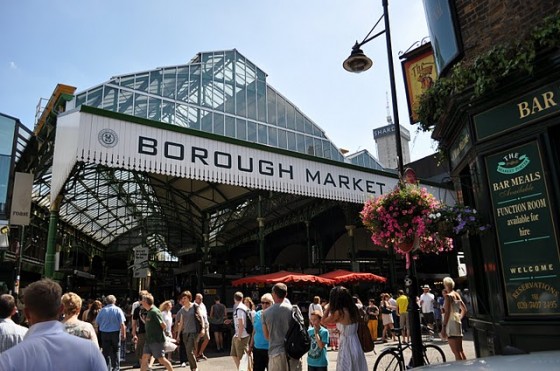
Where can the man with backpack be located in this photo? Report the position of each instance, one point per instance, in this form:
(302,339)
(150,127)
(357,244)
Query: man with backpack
(276,322)
(240,341)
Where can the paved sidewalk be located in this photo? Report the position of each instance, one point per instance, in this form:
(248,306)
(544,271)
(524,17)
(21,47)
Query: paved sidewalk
(223,362)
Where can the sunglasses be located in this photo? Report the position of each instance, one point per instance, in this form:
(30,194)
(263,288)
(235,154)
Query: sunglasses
(265,302)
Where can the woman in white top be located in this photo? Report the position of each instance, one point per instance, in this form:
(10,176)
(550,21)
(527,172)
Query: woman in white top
(455,310)
(315,306)
(165,309)
(342,311)
(167,316)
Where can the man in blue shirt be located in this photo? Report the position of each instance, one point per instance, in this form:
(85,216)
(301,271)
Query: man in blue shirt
(47,346)
(110,321)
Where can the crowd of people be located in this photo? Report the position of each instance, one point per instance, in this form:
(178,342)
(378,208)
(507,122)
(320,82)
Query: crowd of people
(98,334)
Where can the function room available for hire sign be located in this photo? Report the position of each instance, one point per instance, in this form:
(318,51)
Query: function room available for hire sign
(526,231)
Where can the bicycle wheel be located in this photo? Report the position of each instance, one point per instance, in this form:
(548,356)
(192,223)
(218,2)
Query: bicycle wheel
(388,360)
(433,354)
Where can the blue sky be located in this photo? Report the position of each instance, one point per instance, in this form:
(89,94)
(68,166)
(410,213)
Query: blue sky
(300,44)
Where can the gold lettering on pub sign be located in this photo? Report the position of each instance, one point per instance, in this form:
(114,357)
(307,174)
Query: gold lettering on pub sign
(546,297)
(536,104)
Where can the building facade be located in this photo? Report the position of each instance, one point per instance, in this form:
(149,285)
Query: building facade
(385,141)
(496,117)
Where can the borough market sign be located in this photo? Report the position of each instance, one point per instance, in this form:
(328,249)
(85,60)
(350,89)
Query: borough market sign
(116,140)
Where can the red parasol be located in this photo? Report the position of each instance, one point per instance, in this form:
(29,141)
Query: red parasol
(341,275)
(285,277)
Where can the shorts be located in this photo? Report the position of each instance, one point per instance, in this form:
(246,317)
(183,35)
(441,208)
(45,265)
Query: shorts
(206,334)
(217,327)
(428,318)
(154,349)
(404,322)
(239,346)
(279,362)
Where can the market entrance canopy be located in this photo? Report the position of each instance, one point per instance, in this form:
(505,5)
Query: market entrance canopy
(115,140)
(283,277)
(122,179)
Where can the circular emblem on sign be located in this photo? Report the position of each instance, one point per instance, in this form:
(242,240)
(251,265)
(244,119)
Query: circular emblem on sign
(108,138)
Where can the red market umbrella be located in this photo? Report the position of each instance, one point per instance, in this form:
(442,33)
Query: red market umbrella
(341,275)
(285,277)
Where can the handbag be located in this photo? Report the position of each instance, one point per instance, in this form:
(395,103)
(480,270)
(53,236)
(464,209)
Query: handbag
(246,363)
(169,346)
(363,332)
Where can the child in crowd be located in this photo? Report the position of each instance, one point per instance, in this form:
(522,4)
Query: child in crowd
(317,355)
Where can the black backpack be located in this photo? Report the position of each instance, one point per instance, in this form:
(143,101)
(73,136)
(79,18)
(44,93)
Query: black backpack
(297,341)
(248,321)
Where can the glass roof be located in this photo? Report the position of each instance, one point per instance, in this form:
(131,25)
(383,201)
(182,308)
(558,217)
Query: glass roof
(218,92)
(364,159)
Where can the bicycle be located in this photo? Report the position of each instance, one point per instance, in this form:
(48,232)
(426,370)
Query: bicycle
(392,358)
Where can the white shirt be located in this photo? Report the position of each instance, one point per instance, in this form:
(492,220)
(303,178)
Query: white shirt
(168,320)
(393,303)
(204,314)
(10,334)
(427,302)
(239,312)
(47,347)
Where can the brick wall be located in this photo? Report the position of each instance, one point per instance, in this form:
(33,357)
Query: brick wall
(486,23)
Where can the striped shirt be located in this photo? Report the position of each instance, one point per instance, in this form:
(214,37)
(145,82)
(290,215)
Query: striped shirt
(10,334)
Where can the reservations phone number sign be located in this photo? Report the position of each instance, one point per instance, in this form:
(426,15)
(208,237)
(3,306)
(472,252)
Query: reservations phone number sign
(525,228)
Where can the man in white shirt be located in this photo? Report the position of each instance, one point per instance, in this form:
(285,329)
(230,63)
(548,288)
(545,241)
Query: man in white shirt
(10,333)
(240,341)
(199,349)
(315,306)
(47,346)
(427,306)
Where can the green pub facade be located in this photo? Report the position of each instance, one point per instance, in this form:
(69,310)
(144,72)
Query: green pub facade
(502,140)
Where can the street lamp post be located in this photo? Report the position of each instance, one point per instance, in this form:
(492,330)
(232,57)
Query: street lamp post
(358,62)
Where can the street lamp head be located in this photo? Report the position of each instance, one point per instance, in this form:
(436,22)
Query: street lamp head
(357,61)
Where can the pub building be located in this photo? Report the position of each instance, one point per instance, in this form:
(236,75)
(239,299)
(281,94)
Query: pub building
(500,130)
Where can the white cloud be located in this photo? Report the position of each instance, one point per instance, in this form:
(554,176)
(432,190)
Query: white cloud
(13,65)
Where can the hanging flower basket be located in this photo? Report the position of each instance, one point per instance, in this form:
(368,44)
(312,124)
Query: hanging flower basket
(400,217)
(410,218)
(406,246)
(457,220)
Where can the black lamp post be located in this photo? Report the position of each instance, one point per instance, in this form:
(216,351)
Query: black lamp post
(359,62)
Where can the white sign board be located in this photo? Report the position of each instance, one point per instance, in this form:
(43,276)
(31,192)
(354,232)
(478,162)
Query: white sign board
(20,212)
(140,268)
(140,273)
(141,255)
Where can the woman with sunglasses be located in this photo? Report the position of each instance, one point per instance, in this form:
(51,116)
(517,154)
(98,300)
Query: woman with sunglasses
(258,344)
